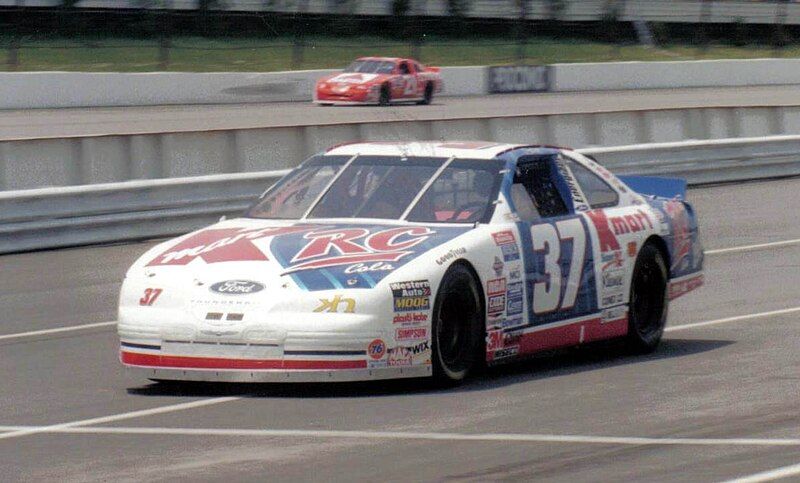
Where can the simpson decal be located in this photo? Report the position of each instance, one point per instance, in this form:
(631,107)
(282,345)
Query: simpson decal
(410,333)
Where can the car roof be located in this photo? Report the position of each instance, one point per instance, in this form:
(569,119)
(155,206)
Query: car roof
(443,149)
(388,59)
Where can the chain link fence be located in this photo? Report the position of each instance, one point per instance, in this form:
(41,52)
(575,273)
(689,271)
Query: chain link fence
(146,35)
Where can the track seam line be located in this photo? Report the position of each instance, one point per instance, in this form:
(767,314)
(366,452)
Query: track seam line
(770,475)
(758,246)
(759,315)
(403,435)
(119,417)
(57,330)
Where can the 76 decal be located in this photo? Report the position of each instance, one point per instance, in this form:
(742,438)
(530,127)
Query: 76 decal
(556,292)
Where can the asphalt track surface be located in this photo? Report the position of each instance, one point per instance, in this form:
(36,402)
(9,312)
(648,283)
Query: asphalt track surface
(714,402)
(49,123)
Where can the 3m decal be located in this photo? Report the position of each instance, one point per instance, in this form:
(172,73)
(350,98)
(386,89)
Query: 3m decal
(494,340)
(150,296)
(332,305)
(552,294)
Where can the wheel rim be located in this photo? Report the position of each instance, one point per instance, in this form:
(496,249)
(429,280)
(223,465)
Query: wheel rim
(648,299)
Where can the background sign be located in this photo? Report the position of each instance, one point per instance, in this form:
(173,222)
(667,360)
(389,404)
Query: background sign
(519,78)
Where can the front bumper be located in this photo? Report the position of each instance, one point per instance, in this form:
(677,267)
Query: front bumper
(278,375)
(351,97)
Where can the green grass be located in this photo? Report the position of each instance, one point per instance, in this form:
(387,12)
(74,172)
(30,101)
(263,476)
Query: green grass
(195,54)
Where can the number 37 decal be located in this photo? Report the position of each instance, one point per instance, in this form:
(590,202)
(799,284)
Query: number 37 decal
(554,291)
(150,296)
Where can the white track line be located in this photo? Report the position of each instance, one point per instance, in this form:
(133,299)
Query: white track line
(403,435)
(759,315)
(118,417)
(759,246)
(57,330)
(771,475)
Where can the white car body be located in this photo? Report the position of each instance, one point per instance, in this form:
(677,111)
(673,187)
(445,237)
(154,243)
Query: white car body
(261,300)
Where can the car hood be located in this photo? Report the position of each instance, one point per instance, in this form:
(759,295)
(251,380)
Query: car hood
(314,257)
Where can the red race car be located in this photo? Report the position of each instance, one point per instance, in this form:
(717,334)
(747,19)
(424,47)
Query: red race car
(380,80)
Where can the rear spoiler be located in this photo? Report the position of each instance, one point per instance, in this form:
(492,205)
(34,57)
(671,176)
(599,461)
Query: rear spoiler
(432,69)
(656,186)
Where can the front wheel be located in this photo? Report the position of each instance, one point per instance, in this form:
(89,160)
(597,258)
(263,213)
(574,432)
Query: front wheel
(648,300)
(428,96)
(458,326)
(385,96)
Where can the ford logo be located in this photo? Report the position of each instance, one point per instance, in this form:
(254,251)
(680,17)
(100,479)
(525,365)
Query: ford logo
(236,287)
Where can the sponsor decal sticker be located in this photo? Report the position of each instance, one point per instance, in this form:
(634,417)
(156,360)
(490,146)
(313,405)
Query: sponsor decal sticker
(332,305)
(515,273)
(496,293)
(514,300)
(498,266)
(410,333)
(496,286)
(614,313)
(504,237)
(408,355)
(369,267)
(494,340)
(451,255)
(376,349)
(411,296)
(236,287)
(578,198)
(512,323)
(411,318)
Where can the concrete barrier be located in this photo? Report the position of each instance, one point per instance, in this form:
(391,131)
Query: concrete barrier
(33,90)
(666,75)
(30,90)
(38,163)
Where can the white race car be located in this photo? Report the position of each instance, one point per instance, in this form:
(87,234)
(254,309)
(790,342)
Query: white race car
(389,260)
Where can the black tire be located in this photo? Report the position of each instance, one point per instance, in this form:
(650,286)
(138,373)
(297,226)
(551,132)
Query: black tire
(458,327)
(428,96)
(648,300)
(385,96)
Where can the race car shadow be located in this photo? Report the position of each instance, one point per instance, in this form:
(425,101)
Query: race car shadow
(552,364)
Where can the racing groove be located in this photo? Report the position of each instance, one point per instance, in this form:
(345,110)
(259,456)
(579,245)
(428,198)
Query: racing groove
(714,402)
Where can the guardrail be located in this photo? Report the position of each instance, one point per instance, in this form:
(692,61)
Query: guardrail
(80,215)
(59,217)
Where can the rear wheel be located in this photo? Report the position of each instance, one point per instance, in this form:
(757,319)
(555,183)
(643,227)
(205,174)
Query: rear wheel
(648,300)
(458,326)
(428,96)
(385,96)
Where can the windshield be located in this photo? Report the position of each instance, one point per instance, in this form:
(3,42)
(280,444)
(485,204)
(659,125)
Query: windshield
(371,67)
(293,195)
(386,187)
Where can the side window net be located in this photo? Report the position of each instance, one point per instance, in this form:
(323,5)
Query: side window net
(537,177)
